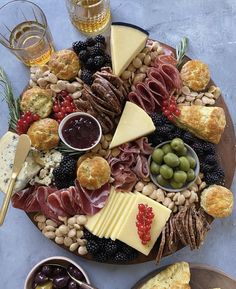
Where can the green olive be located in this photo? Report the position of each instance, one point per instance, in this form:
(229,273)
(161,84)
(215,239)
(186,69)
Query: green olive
(176,185)
(182,152)
(180,177)
(158,155)
(171,160)
(166,172)
(192,162)
(190,175)
(167,148)
(177,144)
(155,168)
(184,164)
(161,181)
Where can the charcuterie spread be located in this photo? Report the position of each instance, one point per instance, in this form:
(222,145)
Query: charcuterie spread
(123,159)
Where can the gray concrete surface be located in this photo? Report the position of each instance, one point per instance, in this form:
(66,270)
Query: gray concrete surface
(210,26)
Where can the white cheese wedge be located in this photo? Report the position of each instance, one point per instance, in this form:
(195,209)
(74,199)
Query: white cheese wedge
(30,168)
(127,41)
(128,232)
(134,123)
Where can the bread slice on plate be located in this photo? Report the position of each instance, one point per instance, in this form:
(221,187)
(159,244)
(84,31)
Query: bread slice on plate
(176,276)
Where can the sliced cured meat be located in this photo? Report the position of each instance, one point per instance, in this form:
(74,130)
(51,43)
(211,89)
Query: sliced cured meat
(125,180)
(90,201)
(55,203)
(144,146)
(26,200)
(143,98)
(141,168)
(165,59)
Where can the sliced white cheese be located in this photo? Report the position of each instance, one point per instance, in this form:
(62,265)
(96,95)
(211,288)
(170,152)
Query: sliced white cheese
(127,41)
(30,168)
(134,123)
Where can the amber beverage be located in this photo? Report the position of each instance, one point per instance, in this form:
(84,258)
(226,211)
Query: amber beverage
(91,17)
(24,31)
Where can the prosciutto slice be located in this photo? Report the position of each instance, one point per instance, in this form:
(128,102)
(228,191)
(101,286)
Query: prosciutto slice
(92,202)
(130,164)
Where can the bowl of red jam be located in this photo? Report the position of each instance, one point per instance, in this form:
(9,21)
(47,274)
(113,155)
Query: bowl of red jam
(80,131)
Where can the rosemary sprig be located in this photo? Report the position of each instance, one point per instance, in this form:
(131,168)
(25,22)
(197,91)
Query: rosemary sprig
(181,50)
(64,149)
(13,104)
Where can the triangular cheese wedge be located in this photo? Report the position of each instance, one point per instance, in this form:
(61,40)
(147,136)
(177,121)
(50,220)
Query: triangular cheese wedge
(134,123)
(127,41)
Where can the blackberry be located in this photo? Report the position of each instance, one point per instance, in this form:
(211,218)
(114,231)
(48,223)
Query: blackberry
(121,257)
(128,250)
(92,247)
(178,132)
(88,235)
(86,76)
(216,177)
(78,46)
(165,131)
(197,147)
(206,168)
(211,159)
(98,62)
(188,137)
(101,257)
(100,45)
(90,42)
(83,55)
(100,38)
(155,139)
(133,255)
(102,243)
(156,118)
(96,51)
(90,64)
(65,173)
(111,248)
(208,147)
(107,58)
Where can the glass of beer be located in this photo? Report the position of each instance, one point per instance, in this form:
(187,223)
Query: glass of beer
(91,17)
(24,31)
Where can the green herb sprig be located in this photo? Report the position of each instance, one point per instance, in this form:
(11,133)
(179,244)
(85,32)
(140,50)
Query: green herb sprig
(64,149)
(181,50)
(13,104)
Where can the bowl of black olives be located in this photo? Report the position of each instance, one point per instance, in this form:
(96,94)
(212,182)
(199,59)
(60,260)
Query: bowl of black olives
(174,165)
(55,273)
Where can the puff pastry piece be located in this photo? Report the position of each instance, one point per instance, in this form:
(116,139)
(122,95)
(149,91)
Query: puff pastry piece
(195,74)
(176,276)
(217,201)
(205,122)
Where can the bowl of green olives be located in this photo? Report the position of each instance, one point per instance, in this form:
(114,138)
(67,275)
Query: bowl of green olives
(174,165)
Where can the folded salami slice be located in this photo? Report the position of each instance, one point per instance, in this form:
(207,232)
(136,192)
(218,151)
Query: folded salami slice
(165,59)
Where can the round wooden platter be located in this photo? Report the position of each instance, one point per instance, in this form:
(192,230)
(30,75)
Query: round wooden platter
(202,277)
(226,150)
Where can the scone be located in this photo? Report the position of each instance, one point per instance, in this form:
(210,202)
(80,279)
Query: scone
(176,276)
(44,134)
(37,100)
(93,173)
(195,74)
(206,122)
(64,64)
(217,201)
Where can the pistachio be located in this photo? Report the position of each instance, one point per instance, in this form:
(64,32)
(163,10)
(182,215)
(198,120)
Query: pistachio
(171,206)
(202,186)
(181,200)
(167,201)
(96,148)
(148,189)
(186,193)
(176,196)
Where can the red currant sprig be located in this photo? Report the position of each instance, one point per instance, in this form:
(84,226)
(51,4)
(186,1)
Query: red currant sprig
(25,121)
(170,109)
(144,222)
(63,105)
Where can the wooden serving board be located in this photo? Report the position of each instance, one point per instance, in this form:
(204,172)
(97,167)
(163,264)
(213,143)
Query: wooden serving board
(226,150)
(202,277)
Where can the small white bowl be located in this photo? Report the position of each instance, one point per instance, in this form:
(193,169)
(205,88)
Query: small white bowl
(192,153)
(58,259)
(77,114)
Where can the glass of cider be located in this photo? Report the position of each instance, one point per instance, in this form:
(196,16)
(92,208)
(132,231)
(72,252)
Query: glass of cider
(25,32)
(91,17)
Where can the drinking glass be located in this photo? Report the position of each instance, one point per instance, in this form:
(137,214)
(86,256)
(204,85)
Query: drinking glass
(25,32)
(89,16)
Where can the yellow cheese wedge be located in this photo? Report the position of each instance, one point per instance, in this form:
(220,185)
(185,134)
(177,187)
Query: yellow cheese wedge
(92,221)
(122,217)
(128,233)
(127,41)
(134,123)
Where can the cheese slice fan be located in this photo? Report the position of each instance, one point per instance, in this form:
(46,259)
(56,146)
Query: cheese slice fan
(134,123)
(22,150)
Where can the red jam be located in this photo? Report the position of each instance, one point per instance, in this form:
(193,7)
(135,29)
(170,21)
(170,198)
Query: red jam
(80,131)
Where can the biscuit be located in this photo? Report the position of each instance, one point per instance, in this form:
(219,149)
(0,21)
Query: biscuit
(37,100)
(217,201)
(205,122)
(195,74)
(44,134)
(93,173)
(176,276)
(64,64)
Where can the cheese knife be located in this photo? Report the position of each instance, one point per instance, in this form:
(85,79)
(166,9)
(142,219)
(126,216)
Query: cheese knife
(22,150)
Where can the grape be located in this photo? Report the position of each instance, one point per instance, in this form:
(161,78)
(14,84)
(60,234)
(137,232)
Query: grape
(161,181)
(177,144)
(167,148)
(190,175)
(59,271)
(192,162)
